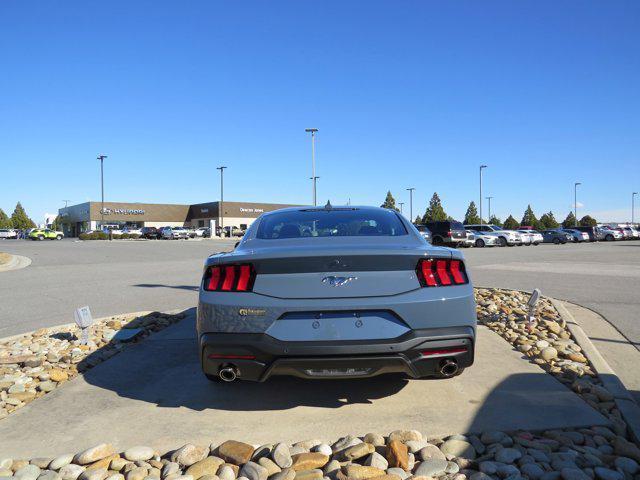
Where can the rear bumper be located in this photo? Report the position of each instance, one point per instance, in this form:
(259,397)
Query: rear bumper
(418,353)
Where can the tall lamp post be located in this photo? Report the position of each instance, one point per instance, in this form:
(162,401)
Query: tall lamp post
(481,168)
(489,199)
(633,195)
(575,203)
(411,189)
(313,161)
(401,204)
(101,158)
(221,200)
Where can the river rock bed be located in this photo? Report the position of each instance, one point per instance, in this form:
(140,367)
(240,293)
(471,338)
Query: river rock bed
(585,454)
(36,363)
(547,342)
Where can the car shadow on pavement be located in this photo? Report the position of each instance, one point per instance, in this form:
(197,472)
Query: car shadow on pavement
(159,285)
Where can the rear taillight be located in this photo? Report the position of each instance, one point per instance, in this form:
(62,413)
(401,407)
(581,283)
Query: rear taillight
(434,272)
(229,278)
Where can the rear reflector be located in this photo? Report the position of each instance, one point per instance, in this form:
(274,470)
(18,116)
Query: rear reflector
(216,356)
(444,351)
(229,278)
(441,273)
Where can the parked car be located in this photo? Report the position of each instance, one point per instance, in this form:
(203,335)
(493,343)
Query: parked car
(576,235)
(362,296)
(469,241)
(200,231)
(425,232)
(590,231)
(112,230)
(449,233)
(151,233)
(132,231)
(535,237)
(556,236)
(6,233)
(526,237)
(505,237)
(482,239)
(45,234)
(631,232)
(608,234)
(175,233)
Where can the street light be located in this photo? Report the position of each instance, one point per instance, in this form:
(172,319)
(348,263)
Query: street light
(633,206)
(101,158)
(489,216)
(66,202)
(313,161)
(221,200)
(481,167)
(401,204)
(575,203)
(411,189)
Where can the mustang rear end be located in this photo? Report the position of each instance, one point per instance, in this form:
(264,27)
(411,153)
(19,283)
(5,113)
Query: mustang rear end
(335,293)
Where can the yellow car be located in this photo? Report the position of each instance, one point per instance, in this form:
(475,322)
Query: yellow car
(45,233)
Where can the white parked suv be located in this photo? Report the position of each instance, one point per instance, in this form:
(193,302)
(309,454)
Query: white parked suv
(8,233)
(174,233)
(608,235)
(505,237)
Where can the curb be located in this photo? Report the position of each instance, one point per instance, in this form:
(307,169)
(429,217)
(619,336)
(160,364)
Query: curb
(626,404)
(16,263)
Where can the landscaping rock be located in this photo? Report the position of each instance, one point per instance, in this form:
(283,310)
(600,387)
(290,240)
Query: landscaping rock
(237,453)
(94,454)
(309,461)
(189,454)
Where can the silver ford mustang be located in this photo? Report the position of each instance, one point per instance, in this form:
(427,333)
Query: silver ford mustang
(335,292)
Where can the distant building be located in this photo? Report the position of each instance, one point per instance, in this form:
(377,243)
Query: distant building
(76,219)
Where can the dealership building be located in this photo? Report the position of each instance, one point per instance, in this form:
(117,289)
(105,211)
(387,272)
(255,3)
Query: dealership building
(76,219)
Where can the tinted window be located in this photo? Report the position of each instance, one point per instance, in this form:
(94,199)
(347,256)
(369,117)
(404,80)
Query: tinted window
(457,226)
(330,223)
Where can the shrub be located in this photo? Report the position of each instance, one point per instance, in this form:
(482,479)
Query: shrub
(124,236)
(94,236)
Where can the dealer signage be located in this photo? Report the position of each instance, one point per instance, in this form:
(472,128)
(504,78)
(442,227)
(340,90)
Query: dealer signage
(122,211)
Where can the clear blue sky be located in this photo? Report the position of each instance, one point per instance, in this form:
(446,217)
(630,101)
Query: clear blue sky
(405,93)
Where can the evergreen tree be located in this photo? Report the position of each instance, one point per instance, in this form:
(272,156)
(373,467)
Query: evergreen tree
(471,217)
(390,202)
(434,212)
(588,221)
(529,219)
(570,221)
(493,220)
(20,219)
(548,221)
(5,222)
(511,223)
(418,220)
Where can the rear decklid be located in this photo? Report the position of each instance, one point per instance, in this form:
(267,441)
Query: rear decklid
(333,268)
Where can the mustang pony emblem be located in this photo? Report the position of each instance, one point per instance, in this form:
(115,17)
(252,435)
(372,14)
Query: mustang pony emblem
(338,281)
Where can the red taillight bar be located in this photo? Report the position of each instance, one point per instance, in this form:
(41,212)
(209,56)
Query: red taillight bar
(229,278)
(441,272)
(444,351)
(215,356)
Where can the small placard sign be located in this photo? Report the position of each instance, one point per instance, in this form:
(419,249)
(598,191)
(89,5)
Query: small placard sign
(83,317)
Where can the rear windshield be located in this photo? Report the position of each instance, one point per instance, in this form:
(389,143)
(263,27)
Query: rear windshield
(457,226)
(330,223)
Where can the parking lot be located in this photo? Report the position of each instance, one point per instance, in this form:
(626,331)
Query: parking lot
(119,277)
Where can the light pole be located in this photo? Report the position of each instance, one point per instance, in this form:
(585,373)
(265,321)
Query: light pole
(313,161)
(66,202)
(575,203)
(481,167)
(633,195)
(411,189)
(489,216)
(101,158)
(221,200)
(401,204)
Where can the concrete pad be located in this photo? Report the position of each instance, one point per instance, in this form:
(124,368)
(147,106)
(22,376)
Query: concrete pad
(154,394)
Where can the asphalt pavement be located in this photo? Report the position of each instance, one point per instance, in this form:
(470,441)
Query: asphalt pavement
(125,276)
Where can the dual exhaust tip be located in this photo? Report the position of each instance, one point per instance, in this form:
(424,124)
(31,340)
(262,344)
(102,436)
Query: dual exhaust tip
(448,368)
(229,373)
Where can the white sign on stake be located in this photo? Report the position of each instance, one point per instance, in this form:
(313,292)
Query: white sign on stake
(84,321)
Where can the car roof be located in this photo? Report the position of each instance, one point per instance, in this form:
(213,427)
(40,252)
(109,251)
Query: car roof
(323,209)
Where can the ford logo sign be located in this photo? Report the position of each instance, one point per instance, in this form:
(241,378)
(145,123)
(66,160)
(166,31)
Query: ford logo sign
(338,281)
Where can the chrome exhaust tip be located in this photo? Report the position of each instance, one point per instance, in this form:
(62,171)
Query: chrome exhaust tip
(228,373)
(448,368)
